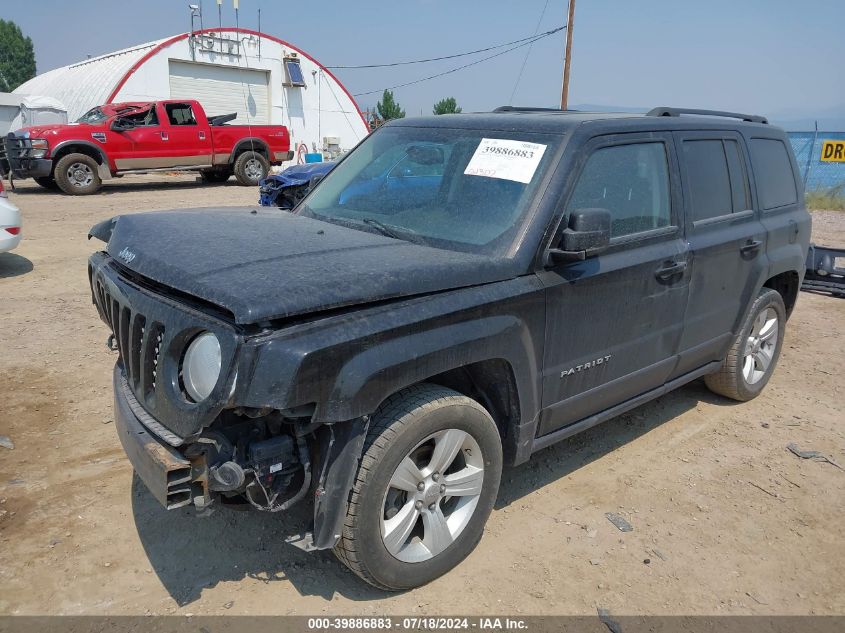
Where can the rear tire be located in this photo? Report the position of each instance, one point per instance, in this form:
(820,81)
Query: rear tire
(77,174)
(48,182)
(397,536)
(754,354)
(251,168)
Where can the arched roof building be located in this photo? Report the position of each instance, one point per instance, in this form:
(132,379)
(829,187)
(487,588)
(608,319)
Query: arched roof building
(261,77)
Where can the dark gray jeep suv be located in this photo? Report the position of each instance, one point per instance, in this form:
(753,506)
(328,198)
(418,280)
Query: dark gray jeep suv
(457,293)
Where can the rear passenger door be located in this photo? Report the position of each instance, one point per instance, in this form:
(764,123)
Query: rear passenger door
(727,242)
(614,321)
(184,141)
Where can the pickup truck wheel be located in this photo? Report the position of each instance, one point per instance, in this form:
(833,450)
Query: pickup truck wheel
(77,175)
(425,487)
(752,358)
(251,168)
(48,182)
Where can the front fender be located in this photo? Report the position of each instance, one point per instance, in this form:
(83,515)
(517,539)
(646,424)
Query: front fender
(371,376)
(343,366)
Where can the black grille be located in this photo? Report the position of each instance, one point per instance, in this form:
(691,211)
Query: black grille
(138,341)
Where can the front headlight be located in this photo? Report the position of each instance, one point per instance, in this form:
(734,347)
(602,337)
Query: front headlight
(201,366)
(39,148)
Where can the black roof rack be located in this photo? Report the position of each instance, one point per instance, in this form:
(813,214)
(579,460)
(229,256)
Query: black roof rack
(509,108)
(751,118)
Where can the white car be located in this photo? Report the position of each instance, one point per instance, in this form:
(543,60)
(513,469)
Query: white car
(10,222)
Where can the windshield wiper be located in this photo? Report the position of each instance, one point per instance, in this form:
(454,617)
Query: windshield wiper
(384,229)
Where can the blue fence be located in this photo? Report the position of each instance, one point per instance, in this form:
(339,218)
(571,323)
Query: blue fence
(817,174)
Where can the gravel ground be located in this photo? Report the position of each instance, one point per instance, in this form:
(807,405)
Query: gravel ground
(725,519)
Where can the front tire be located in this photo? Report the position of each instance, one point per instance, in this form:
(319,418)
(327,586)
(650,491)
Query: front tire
(77,174)
(425,487)
(755,351)
(251,168)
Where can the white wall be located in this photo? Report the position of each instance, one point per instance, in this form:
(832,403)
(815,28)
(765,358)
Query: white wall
(318,110)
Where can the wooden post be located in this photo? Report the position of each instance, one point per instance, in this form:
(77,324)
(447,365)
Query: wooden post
(564,95)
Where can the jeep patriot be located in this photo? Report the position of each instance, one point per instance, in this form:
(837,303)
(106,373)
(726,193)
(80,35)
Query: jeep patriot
(384,350)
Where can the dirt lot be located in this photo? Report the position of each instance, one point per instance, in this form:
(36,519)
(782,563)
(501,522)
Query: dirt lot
(725,519)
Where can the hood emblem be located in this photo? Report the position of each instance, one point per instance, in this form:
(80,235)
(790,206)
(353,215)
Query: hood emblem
(126,255)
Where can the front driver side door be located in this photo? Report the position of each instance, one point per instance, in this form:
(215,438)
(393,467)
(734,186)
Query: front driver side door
(614,321)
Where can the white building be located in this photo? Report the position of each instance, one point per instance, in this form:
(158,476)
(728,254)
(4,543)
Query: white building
(262,78)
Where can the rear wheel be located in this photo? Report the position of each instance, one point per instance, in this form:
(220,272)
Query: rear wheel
(752,358)
(251,168)
(425,487)
(48,182)
(77,174)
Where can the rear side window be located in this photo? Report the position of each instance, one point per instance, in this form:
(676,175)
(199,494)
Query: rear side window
(773,173)
(717,179)
(632,182)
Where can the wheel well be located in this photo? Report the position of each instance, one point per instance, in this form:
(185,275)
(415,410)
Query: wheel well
(786,284)
(78,149)
(247,146)
(491,383)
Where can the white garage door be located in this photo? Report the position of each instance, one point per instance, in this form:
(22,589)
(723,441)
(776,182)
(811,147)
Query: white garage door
(223,90)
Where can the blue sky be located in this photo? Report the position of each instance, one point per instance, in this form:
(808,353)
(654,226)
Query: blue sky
(776,57)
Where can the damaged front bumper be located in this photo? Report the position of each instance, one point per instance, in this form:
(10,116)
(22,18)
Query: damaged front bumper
(167,474)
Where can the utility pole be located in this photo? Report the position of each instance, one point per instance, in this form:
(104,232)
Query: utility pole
(570,22)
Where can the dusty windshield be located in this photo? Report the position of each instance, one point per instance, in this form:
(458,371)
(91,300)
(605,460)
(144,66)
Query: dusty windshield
(94,115)
(467,190)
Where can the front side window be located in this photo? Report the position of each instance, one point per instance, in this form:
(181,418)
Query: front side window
(466,190)
(142,118)
(773,172)
(632,182)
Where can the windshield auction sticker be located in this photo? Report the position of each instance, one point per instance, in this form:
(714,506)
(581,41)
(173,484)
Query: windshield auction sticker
(508,160)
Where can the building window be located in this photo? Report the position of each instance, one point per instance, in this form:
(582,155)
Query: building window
(293,71)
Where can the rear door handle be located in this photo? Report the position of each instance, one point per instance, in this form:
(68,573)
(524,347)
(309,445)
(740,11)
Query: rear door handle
(164,136)
(670,270)
(751,246)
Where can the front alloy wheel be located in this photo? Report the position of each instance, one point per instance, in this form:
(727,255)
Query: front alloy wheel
(432,496)
(425,486)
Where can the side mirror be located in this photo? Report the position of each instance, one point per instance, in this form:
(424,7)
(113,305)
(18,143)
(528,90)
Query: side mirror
(121,125)
(586,235)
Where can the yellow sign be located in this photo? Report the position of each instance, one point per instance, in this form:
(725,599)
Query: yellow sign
(833,151)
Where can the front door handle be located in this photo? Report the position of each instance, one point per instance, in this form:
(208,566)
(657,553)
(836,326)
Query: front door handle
(670,269)
(164,136)
(751,246)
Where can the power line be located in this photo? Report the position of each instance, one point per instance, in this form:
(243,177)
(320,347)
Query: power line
(437,59)
(527,53)
(454,70)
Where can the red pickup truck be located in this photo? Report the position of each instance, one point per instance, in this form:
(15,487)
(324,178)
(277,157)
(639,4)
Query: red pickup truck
(129,138)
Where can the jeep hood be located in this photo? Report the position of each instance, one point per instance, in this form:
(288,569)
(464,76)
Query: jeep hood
(262,264)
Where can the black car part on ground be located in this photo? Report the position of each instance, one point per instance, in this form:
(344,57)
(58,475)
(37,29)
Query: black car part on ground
(825,270)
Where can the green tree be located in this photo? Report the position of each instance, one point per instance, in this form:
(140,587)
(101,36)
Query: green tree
(447,106)
(388,108)
(17,57)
